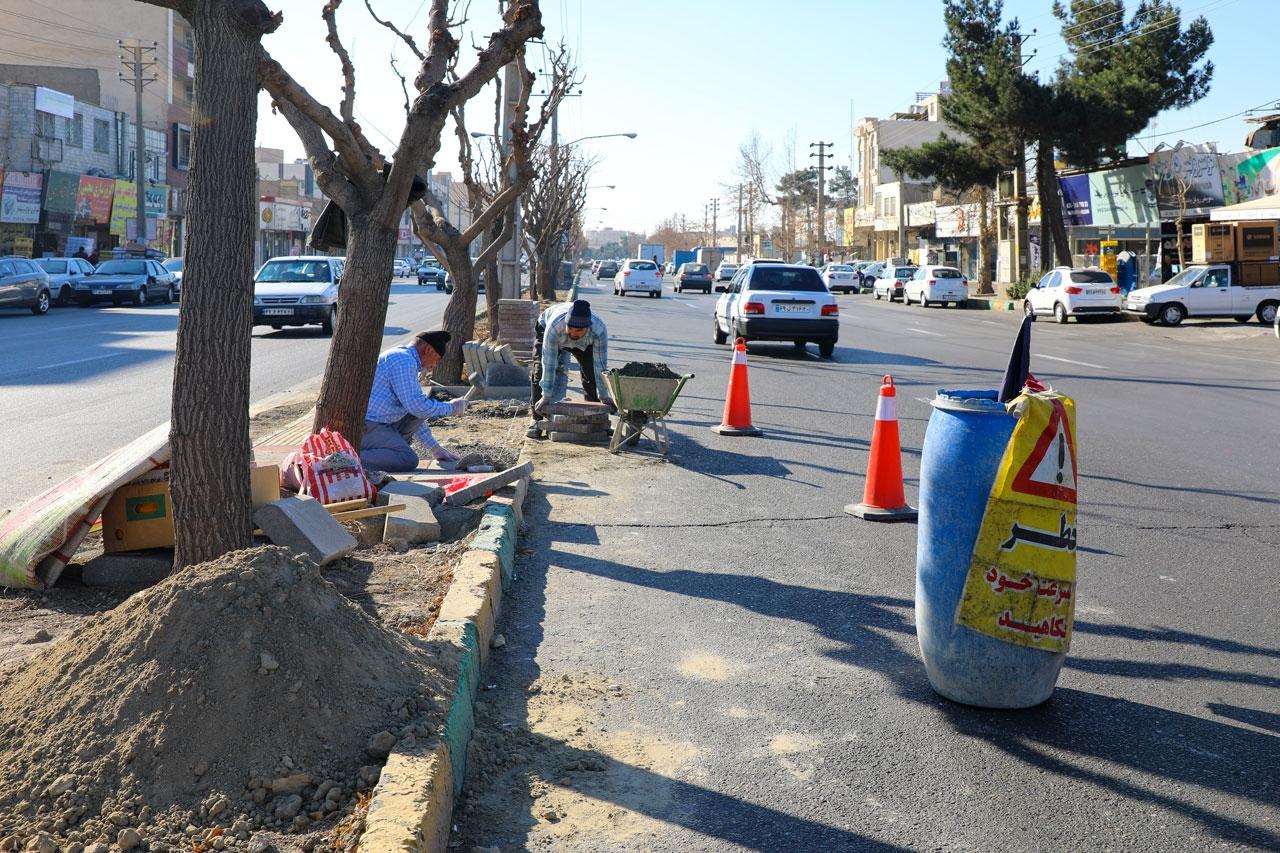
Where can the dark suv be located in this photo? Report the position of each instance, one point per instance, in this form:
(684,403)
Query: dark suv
(23,284)
(608,269)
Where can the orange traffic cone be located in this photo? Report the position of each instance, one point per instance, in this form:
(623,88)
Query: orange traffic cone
(737,402)
(882,499)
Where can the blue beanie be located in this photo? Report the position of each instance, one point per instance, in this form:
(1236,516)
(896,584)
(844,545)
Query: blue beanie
(580,314)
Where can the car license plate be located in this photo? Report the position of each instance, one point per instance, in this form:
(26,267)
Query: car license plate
(277,312)
(102,293)
(791,309)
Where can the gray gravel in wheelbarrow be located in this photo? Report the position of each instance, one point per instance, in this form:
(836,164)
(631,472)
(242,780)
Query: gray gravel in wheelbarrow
(245,695)
(647,370)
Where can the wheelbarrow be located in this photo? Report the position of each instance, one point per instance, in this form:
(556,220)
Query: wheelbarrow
(643,403)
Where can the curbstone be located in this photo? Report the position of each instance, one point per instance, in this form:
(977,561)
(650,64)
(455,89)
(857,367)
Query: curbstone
(415,524)
(474,596)
(412,802)
(497,533)
(304,526)
(460,721)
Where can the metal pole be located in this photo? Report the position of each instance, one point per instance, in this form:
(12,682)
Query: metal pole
(1021,237)
(509,257)
(138,69)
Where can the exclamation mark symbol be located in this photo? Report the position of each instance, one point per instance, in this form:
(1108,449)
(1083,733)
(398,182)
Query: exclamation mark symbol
(1062,455)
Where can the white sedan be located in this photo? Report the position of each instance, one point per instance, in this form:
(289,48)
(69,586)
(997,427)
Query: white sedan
(936,285)
(638,276)
(1065,292)
(840,277)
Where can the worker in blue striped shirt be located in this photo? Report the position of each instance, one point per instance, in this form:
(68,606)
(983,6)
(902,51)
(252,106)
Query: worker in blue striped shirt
(399,409)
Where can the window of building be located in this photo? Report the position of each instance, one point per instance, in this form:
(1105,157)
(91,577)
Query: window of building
(181,146)
(102,136)
(189,90)
(75,131)
(46,125)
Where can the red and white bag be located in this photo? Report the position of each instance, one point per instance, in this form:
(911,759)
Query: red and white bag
(331,470)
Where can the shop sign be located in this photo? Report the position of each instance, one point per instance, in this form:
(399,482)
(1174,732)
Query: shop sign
(21,199)
(93,202)
(959,220)
(1076,204)
(124,207)
(60,193)
(55,103)
(1187,177)
(157,200)
(1247,176)
(1123,197)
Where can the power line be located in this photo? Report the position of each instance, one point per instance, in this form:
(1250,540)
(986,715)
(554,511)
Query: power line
(1270,103)
(32,38)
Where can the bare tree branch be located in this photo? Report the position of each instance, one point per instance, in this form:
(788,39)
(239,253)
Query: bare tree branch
(330,14)
(405,37)
(330,178)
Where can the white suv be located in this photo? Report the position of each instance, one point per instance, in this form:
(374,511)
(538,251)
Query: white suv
(778,302)
(638,276)
(297,290)
(1065,292)
(936,285)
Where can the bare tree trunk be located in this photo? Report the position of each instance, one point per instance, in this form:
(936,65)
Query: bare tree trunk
(984,241)
(460,314)
(209,429)
(357,338)
(1053,228)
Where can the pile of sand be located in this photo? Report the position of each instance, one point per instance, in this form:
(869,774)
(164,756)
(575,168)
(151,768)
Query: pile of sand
(245,694)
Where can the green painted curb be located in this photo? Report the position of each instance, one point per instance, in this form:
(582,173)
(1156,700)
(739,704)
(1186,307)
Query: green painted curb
(462,717)
(497,533)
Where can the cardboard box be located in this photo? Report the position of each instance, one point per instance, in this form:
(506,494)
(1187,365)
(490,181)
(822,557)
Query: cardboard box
(1213,242)
(1255,241)
(1255,274)
(138,516)
(264,483)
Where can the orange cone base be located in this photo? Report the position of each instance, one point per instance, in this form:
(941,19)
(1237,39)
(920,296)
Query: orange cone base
(880,513)
(724,429)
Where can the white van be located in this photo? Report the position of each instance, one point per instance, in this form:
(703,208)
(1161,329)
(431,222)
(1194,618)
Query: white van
(299,290)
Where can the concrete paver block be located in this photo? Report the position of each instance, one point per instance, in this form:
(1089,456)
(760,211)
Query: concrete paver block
(593,437)
(429,492)
(415,524)
(304,526)
(479,489)
(589,428)
(579,409)
(136,570)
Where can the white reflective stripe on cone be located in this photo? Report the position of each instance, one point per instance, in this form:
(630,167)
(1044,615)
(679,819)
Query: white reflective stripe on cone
(739,357)
(887,408)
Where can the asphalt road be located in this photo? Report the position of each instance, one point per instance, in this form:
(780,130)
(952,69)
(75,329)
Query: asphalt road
(80,382)
(769,637)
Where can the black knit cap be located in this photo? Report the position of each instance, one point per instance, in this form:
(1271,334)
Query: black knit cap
(436,340)
(580,314)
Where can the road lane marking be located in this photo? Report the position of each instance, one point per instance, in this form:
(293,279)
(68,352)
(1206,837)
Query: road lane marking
(925,332)
(991,322)
(79,361)
(1072,361)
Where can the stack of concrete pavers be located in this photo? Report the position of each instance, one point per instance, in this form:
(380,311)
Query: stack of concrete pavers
(515,326)
(578,423)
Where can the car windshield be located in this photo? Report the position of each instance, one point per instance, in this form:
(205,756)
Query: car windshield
(1188,277)
(841,268)
(50,265)
(784,278)
(122,268)
(294,271)
(946,272)
(1090,277)
(642,265)
(904,273)
(173,265)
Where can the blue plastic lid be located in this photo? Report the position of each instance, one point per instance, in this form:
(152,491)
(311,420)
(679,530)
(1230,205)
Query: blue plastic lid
(975,401)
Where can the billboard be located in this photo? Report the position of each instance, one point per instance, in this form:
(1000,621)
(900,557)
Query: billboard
(1187,175)
(1077,205)
(959,220)
(1123,197)
(93,201)
(1250,175)
(124,207)
(20,202)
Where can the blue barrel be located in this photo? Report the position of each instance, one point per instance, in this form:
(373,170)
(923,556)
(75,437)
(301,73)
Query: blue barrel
(965,440)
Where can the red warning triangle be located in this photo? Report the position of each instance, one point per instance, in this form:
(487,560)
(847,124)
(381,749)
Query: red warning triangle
(1050,469)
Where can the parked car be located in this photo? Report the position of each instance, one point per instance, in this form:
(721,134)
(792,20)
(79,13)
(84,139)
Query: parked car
(401,268)
(63,274)
(889,281)
(778,302)
(1210,290)
(607,269)
(297,290)
(23,284)
(175,266)
(430,272)
(127,280)
(725,271)
(639,277)
(1065,292)
(936,285)
(840,277)
(693,275)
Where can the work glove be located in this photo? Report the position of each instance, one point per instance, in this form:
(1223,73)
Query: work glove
(459,405)
(542,404)
(440,454)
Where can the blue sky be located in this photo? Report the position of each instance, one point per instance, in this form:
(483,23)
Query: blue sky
(694,78)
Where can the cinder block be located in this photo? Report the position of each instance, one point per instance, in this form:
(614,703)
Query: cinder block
(594,437)
(588,428)
(415,524)
(429,492)
(304,526)
(136,570)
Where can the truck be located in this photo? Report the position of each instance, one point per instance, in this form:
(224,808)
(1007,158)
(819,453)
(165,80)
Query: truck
(710,257)
(681,256)
(653,252)
(1235,272)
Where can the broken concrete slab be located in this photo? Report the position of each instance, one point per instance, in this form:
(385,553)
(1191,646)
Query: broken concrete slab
(135,570)
(304,526)
(432,493)
(488,485)
(413,525)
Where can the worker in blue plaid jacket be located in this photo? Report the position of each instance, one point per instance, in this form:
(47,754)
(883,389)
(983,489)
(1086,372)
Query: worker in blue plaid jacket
(399,409)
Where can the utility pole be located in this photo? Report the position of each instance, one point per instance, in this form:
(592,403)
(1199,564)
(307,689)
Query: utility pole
(715,222)
(738,226)
(139,60)
(751,218)
(821,154)
(1020,248)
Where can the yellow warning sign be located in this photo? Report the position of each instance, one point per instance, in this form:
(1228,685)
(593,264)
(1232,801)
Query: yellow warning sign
(1022,576)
